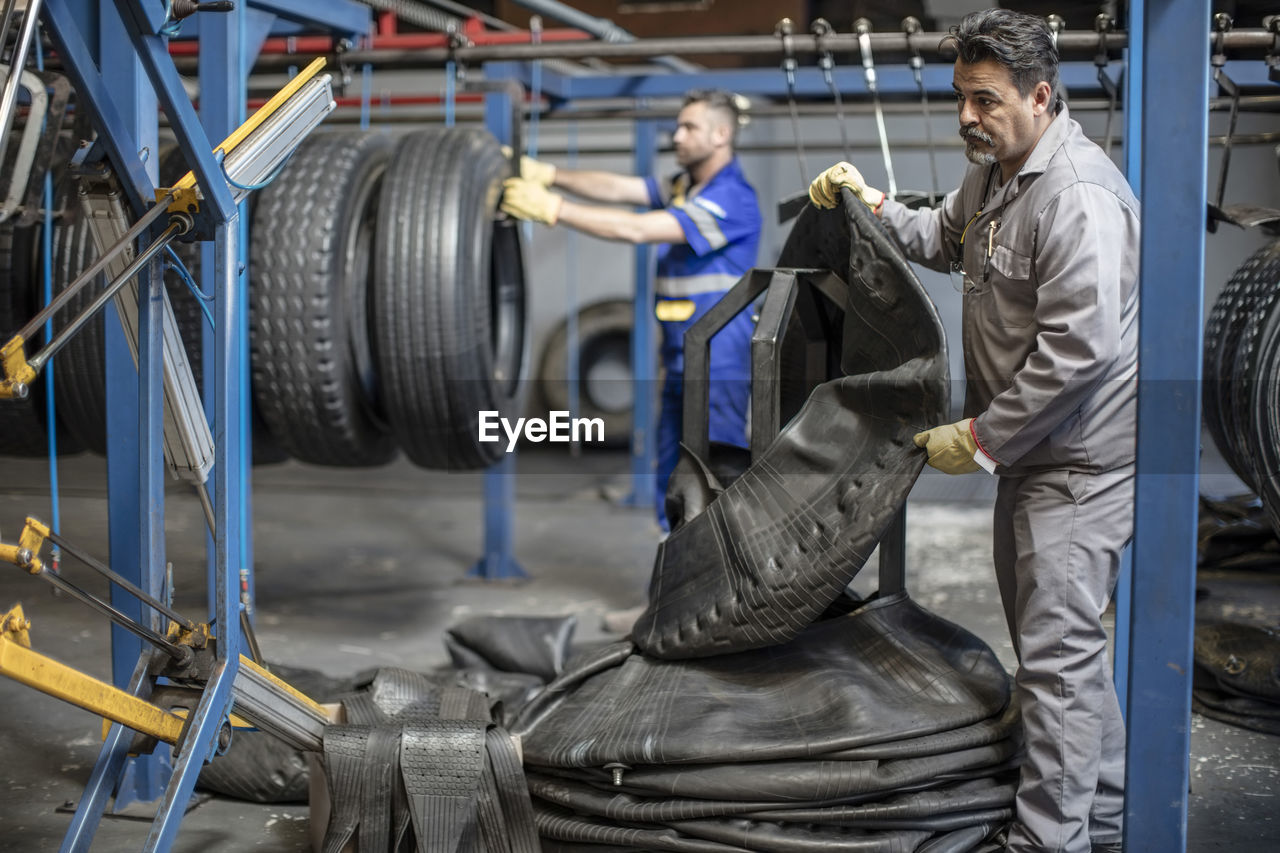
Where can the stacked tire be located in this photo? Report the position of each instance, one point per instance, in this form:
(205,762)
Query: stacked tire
(24,423)
(1242,375)
(386,306)
(387,301)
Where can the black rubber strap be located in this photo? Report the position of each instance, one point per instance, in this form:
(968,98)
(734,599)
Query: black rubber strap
(344,753)
(507,775)
(361,710)
(441,762)
(381,755)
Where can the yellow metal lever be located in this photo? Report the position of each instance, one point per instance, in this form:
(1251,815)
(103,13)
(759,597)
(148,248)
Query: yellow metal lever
(19,662)
(15,373)
(26,554)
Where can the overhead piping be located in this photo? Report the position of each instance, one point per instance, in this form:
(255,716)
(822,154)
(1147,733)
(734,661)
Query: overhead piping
(601,28)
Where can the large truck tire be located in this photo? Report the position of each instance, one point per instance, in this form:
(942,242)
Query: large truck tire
(311,359)
(80,369)
(23,423)
(1230,337)
(449,305)
(606,381)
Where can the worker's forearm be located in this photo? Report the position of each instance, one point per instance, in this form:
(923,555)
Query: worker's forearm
(610,223)
(603,186)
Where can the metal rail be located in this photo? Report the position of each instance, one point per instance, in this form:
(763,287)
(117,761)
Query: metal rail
(1073,45)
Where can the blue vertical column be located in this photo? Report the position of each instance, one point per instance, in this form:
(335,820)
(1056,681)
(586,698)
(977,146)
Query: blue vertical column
(497,562)
(215,701)
(1174,117)
(223,68)
(135,480)
(1133,69)
(644,440)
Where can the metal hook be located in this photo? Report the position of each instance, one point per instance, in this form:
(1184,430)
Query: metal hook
(1271,24)
(784,31)
(911,26)
(862,27)
(1222,25)
(1103,24)
(821,29)
(1056,25)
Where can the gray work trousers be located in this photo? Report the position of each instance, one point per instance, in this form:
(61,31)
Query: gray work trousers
(1057,543)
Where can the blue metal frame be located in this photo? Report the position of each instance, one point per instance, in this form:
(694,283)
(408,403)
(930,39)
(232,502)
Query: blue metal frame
(1173,167)
(497,562)
(644,437)
(124,103)
(1133,145)
(895,79)
(342,18)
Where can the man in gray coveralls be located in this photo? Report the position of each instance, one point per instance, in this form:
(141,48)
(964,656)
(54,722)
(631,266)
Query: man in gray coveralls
(1042,238)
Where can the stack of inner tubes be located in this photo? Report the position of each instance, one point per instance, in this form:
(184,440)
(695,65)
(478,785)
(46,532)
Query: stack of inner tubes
(1242,375)
(1237,675)
(749,710)
(886,729)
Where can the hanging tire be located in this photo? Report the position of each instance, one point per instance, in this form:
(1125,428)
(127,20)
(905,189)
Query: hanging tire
(22,422)
(1262,272)
(1230,334)
(606,382)
(1265,426)
(312,364)
(449,309)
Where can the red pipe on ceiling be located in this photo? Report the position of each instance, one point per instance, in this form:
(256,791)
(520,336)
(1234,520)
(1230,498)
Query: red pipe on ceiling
(401,41)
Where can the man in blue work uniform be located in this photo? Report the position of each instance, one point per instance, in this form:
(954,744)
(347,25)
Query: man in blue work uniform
(708,221)
(1042,236)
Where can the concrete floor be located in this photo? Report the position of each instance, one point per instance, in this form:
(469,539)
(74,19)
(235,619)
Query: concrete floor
(357,569)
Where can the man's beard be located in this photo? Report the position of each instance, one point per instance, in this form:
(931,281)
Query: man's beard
(974,140)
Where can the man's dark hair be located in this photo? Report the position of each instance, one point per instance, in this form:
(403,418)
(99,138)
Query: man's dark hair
(1021,43)
(724,103)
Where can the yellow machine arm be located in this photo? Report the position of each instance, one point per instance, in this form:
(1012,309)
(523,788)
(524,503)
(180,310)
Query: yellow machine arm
(260,698)
(19,662)
(27,552)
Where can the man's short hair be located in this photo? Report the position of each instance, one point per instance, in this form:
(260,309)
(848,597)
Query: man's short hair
(726,104)
(1020,42)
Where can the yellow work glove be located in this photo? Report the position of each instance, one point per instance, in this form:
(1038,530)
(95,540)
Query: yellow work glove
(533,170)
(525,199)
(824,191)
(950,447)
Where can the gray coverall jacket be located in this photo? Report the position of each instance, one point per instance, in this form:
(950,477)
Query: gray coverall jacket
(1051,334)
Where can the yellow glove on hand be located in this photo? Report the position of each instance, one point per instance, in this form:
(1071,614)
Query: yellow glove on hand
(824,191)
(525,199)
(533,170)
(950,447)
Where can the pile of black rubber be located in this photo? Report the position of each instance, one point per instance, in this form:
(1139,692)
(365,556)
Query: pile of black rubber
(885,729)
(750,711)
(1237,653)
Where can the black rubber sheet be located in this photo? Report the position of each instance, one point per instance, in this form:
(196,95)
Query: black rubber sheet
(770,552)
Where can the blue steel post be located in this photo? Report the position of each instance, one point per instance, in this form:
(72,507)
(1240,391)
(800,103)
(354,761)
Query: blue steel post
(497,562)
(215,702)
(145,778)
(644,446)
(135,487)
(115,750)
(1133,67)
(1174,170)
(223,69)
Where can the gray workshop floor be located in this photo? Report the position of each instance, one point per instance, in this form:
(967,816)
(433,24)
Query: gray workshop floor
(358,569)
